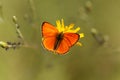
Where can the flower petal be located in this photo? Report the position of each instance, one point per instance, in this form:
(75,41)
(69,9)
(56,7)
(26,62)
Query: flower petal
(71,26)
(81,35)
(58,24)
(77,29)
(79,44)
(62,24)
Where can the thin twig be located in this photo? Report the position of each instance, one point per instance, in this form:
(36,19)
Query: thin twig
(100,38)
(14,45)
(18,28)
(7,45)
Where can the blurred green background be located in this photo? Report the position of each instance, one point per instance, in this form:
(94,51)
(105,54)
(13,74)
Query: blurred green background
(92,61)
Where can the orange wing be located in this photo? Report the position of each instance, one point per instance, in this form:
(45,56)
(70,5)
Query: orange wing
(49,43)
(48,30)
(49,33)
(72,38)
(69,39)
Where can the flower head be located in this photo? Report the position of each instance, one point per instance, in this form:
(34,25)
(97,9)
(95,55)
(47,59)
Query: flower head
(62,28)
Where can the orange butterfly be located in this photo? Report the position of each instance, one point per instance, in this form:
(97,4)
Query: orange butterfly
(56,41)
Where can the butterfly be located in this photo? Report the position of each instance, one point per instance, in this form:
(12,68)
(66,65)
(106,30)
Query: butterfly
(55,41)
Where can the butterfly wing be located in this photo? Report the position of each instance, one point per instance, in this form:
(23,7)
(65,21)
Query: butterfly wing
(72,38)
(49,42)
(69,39)
(49,33)
(48,30)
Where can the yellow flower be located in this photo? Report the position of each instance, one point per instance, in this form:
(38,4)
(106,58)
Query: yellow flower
(62,28)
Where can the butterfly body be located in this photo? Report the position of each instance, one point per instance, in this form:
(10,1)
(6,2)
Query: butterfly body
(56,41)
(59,38)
